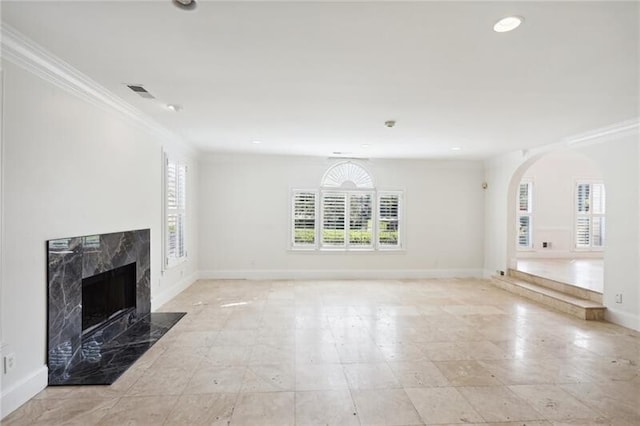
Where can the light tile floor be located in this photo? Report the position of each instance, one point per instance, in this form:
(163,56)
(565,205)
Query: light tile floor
(583,273)
(363,352)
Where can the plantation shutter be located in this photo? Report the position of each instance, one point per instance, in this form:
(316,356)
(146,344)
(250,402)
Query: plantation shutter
(590,220)
(333,219)
(346,213)
(583,221)
(598,220)
(304,218)
(360,220)
(524,231)
(584,189)
(389,220)
(176,199)
(524,205)
(525,194)
(597,190)
(583,231)
(597,238)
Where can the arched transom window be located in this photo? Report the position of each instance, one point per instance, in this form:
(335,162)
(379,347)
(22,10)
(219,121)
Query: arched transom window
(347,175)
(347,212)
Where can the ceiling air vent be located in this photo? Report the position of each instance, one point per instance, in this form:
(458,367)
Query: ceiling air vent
(140,91)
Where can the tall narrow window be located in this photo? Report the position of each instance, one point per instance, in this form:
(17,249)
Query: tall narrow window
(304,219)
(590,215)
(176,212)
(360,220)
(525,195)
(333,219)
(389,220)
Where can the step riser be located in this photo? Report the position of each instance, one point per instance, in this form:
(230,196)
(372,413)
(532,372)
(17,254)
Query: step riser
(591,314)
(557,286)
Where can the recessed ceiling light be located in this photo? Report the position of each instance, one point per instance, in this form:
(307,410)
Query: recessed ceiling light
(174,107)
(456,148)
(365,145)
(508,23)
(185,4)
(256,142)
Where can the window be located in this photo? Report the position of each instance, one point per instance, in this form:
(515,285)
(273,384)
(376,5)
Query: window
(346,213)
(334,228)
(525,196)
(389,220)
(304,219)
(361,220)
(175,212)
(590,219)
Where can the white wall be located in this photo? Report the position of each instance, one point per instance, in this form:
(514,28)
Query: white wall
(617,158)
(1,224)
(244,219)
(554,177)
(618,161)
(69,168)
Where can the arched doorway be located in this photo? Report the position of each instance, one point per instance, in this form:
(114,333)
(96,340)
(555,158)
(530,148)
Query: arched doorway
(557,219)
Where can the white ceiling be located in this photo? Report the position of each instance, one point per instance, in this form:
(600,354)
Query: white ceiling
(311,78)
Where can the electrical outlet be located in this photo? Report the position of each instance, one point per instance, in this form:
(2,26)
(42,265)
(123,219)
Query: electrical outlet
(9,362)
(619,298)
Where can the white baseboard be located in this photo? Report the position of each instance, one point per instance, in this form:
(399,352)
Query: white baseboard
(169,293)
(624,319)
(338,274)
(488,273)
(23,391)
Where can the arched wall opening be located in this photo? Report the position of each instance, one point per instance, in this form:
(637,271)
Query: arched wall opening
(547,245)
(618,157)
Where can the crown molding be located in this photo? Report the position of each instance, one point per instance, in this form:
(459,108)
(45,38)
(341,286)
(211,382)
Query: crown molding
(592,137)
(27,54)
(603,134)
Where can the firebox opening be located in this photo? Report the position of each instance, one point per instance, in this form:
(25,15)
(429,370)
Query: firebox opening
(107,295)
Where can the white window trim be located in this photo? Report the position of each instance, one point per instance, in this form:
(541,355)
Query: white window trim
(531,246)
(353,179)
(347,248)
(171,262)
(401,220)
(292,244)
(591,215)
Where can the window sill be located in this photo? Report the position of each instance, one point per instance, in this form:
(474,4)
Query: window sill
(346,251)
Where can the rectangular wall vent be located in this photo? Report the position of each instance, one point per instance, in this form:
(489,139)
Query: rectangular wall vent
(140,91)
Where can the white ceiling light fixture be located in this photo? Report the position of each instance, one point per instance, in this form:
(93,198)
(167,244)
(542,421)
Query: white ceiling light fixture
(508,23)
(174,107)
(256,142)
(456,148)
(185,4)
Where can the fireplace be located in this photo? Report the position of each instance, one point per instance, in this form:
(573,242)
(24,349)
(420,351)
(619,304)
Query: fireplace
(107,295)
(99,308)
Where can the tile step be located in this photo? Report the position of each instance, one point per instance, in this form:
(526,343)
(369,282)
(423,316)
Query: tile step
(581,308)
(570,289)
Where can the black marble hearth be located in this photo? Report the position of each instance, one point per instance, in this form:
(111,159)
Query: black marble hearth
(102,362)
(125,328)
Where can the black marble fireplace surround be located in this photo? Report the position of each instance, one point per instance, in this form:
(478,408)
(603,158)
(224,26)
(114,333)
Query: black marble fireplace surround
(102,352)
